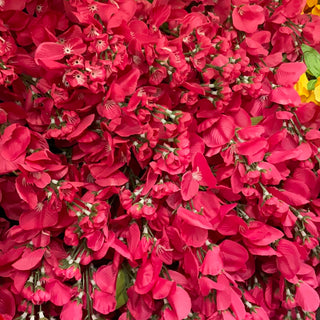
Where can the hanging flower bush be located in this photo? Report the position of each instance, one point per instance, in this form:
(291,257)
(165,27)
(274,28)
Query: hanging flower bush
(159,159)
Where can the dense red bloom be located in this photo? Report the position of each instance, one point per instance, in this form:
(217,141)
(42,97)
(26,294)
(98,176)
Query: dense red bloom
(156,160)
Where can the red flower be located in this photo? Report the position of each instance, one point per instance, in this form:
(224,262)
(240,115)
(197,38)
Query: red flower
(60,294)
(285,96)
(13,145)
(156,160)
(306,297)
(289,73)
(140,306)
(212,263)
(147,276)
(217,131)
(104,302)
(200,175)
(247,18)
(48,53)
(72,309)
(29,259)
(289,261)
(7,304)
(180,302)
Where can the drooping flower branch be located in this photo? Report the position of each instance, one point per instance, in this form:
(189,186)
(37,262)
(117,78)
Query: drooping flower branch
(159,159)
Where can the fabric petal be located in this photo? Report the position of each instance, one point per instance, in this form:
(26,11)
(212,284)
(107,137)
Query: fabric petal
(29,259)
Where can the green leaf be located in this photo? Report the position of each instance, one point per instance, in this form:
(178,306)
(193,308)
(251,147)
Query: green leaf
(121,288)
(122,299)
(256,120)
(312,60)
(311,84)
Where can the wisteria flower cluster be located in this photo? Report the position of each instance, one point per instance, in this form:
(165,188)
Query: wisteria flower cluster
(157,161)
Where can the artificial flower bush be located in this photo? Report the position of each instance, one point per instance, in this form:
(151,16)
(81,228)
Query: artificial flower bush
(157,160)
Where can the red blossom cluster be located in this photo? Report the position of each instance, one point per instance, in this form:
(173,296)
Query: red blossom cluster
(156,161)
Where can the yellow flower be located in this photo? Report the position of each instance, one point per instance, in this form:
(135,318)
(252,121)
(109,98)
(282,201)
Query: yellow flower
(301,87)
(305,94)
(317,91)
(316,10)
(312,3)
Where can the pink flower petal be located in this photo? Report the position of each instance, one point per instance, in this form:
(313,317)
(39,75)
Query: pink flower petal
(106,277)
(289,262)
(194,219)
(220,133)
(212,263)
(306,297)
(49,51)
(189,186)
(7,304)
(60,293)
(104,302)
(180,301)
(289,73)
(248,17)
(234,255)
(192,235)
(29,259)
(207,177)
(162,289)
(71,310)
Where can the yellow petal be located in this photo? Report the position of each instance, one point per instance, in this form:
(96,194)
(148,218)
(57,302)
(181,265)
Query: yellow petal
(301,86)
(312,3)
(311,98)
(317,93)
(316,10)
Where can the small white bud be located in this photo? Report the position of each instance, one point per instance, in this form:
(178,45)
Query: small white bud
(303,233)
(87,212)
(89,206)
